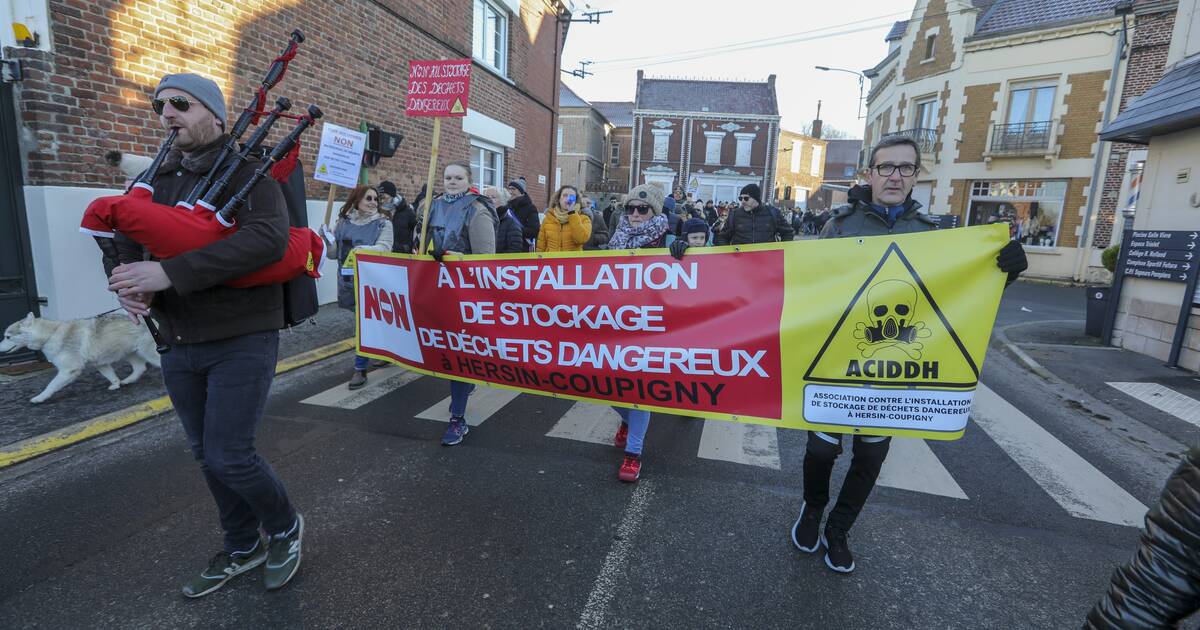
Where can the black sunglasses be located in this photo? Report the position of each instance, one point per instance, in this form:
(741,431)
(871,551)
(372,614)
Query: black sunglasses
(180,103)
(744,198)
(638,208)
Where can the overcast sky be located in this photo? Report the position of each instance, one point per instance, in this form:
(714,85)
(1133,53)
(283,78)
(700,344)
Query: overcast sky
(692,39)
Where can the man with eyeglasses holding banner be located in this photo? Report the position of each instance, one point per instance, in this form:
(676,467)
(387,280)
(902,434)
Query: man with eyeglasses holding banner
(224,340)
(883,207)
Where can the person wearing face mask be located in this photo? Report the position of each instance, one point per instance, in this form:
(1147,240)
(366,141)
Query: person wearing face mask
(883,207)
(642,226)
(566,227)
(460,222)
(360,226)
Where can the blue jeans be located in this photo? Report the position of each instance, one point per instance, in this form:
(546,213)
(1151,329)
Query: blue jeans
(219,390)
(638,421)
(360,363)
(459,393)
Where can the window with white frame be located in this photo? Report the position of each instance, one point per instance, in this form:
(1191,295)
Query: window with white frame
(926,113)
(815,167)
(558,141)
(712,146)
(487,164)
(744,143)
(1031,102)
(490,41)
(662,140)
(797,151)
(615,154)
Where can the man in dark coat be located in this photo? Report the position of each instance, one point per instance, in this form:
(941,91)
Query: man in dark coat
(754,222)
(884,207)
(524,210)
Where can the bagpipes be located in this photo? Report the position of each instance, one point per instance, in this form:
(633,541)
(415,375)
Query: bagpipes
(195,222)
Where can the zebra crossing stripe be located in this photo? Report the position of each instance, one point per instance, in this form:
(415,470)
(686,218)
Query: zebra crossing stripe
(587,422)
(1081,489)
(1165,399)
(750,444)
(379,384)
(484,402)
(911,465)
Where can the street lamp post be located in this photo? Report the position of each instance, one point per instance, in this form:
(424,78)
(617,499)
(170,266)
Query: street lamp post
(861,79)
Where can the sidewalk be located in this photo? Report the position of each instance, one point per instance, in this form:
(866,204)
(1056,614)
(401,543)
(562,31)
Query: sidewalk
(1042,326)
(88,397)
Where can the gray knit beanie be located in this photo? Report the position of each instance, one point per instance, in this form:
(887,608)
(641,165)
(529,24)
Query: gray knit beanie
(201,88)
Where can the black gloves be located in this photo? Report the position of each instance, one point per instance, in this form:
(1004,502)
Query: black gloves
(437,253)
(1011,260)
(678,248)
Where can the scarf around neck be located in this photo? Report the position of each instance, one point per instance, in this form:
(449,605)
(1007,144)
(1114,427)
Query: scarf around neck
(628,236)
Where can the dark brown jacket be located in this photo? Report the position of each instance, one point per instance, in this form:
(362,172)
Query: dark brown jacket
(198,307)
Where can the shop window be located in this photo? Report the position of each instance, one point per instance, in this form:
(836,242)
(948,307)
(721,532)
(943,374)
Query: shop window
(1032,209)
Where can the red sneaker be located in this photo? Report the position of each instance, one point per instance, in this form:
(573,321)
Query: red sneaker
(622,436)
(630,469)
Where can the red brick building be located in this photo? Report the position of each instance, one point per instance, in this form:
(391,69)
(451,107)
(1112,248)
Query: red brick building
(710,136)
(89,77)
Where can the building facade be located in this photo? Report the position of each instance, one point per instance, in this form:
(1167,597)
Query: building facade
(799,170)
(582,142)
(841,172)
(711,137)
(1005,100)
(620,146)
(91,69)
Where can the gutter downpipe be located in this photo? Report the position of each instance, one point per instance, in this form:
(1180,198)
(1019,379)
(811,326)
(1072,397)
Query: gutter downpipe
(1093,208)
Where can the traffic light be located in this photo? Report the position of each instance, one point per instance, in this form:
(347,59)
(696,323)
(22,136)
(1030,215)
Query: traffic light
(380,144)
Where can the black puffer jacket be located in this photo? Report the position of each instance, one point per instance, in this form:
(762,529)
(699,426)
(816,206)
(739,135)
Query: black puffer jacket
(1161,584)
(763,224)
(527,214)
(509,239)
(404,222)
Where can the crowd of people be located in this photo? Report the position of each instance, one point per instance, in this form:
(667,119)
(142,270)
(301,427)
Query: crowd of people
(225,340)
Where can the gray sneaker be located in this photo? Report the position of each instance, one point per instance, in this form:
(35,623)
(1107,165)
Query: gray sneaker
(358,380)
(224,567)
(283,556)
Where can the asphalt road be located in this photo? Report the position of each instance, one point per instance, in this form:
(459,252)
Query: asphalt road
(517,528)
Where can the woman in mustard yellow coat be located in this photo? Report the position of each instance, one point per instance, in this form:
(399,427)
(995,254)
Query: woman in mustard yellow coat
(566,228)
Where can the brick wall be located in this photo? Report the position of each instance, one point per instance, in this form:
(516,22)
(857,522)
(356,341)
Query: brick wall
(978,105)
(1073,208)
(943,51)
(943,111)
(803,177)
(902,109)
(92,93)
(1084,107)
(623,136)
(886,127)
(1147,58)
(960,192)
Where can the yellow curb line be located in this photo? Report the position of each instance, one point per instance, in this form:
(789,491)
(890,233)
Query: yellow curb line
(46,443)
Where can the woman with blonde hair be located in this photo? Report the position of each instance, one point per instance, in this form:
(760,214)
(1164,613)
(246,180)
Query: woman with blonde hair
(566,228)
(509,239)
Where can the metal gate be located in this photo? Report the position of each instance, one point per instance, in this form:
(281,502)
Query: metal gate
(18,291)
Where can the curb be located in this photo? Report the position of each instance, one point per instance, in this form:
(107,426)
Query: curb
(37,446)
(1030,363)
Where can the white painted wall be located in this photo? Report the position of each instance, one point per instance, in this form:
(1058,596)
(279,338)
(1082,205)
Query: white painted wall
(67,262)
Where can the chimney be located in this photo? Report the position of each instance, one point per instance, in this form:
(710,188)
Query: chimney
(816,128)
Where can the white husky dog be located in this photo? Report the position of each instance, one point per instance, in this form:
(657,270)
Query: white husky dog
(71,346)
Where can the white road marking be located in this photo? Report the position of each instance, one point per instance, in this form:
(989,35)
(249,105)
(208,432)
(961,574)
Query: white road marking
(1165,399)
(911,465)
(1081,489)
(587,422)
(606,584)
(750,444)
(484,402)
(379,383)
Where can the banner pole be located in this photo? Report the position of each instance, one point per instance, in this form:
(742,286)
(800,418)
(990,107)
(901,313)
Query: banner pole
(433,158)
(329,203)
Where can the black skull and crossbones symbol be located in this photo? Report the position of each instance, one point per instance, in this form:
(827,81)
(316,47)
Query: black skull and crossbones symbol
(891,305)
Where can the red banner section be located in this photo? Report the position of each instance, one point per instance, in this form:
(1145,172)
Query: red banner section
(438,88)
(693,335)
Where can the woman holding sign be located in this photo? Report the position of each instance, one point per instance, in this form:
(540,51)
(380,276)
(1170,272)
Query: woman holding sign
(566,228)
(460,222)
(360,225)
(642,226)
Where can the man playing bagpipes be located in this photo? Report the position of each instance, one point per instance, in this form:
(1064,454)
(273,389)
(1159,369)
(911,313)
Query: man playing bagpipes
(224,339)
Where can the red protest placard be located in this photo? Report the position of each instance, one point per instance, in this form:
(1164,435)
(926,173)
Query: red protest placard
(438,88)
(696,335)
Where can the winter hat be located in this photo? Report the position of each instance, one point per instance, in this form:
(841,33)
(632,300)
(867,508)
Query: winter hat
(753,191)
(668,203)
(201,88)
(695,225)
(387,188)
(650,194)
(518,185)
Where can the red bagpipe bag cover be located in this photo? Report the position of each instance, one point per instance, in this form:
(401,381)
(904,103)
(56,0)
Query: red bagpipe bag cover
(167,231)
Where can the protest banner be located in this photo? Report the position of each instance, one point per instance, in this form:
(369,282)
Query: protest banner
(437,88)
(339,160)
(876,336)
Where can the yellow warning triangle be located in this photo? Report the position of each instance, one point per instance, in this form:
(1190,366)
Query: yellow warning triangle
(457,108)
(894,334)
(322,170)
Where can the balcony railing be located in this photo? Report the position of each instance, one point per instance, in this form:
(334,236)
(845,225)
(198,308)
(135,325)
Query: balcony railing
(925,138)
(1022,137)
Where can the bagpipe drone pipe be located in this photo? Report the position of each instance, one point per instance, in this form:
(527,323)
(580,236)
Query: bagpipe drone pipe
(195,222)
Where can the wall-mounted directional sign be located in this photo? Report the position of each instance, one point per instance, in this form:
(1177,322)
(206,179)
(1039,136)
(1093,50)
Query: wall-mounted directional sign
(1169,255)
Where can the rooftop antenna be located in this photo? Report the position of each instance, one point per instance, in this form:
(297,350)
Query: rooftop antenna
(581,71)
(589,17)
